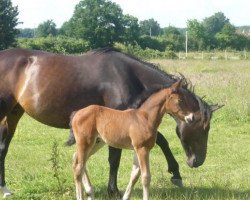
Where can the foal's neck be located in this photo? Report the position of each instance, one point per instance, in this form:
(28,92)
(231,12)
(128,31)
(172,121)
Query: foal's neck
(154,106)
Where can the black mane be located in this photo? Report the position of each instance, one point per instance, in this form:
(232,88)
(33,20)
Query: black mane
(107,50)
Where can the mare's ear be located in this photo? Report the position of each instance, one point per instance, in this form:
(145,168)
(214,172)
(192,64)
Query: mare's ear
(176,86)
(215,107)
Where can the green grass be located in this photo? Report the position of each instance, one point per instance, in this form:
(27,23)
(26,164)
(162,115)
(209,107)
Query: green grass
(224,175)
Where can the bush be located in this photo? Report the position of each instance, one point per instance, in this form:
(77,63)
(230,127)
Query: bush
(55,44)
(147,53)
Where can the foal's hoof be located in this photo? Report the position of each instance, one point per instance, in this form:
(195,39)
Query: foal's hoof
(177,182)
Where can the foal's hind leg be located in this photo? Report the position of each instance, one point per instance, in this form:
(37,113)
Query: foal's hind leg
(81,176)
(7,129)
(135,174)
(84,147)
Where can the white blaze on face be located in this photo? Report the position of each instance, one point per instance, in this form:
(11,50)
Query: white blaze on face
(31,78)
(189,118)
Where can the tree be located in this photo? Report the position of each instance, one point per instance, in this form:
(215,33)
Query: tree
(46,28)
(97,21)
(172,38)
(150,27)
(131,30)
(213,25)
(197,35)
(8,23)
(26,33)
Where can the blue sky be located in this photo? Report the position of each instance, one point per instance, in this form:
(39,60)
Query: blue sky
(166,12)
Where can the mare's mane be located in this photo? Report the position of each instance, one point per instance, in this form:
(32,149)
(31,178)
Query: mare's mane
(205,109)
(108,50)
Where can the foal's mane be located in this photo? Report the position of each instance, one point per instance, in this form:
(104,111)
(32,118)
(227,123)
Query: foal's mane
(140,99)
(205,109)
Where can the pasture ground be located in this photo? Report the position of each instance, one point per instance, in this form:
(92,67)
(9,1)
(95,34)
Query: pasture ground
(224,175)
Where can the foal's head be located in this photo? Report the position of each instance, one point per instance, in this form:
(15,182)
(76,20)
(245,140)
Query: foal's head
(177,105)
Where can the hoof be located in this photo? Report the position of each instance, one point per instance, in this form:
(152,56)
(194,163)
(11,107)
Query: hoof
(177,182)
(6,192)
(6,195)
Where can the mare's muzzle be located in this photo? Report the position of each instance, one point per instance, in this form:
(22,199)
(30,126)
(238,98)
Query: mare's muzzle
(193,161)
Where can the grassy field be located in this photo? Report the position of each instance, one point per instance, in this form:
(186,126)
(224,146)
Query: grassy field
(224,175)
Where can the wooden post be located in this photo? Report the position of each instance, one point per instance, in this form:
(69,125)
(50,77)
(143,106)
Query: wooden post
(186,43)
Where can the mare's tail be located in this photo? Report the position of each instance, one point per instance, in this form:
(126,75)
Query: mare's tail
(71,139)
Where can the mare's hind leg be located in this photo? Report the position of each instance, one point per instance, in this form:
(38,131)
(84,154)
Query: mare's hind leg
(135,174)
(7,129)
(173,166)
(114,162)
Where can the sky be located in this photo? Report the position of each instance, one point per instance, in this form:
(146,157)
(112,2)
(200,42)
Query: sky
(165,12)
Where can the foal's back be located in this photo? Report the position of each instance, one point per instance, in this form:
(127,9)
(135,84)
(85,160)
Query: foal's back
(120,129)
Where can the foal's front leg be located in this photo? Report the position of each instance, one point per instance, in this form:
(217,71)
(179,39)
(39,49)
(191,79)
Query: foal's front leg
(143,158)
(135,174)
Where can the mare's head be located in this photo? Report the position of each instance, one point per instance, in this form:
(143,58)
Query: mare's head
(193,130)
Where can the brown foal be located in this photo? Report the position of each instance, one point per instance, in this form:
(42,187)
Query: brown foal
(130,129)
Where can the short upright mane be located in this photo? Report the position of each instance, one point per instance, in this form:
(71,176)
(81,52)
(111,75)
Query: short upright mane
(145,95)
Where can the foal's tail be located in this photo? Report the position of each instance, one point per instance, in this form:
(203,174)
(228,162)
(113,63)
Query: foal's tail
(71,139)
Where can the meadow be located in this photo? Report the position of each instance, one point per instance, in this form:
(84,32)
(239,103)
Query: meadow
(38,165)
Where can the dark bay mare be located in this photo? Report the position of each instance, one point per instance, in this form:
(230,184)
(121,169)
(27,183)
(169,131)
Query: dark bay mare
(49,87)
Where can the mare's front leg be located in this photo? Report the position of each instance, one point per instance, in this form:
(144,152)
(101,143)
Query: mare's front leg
(7,129)
(114,162)
(135,174)
(173,166)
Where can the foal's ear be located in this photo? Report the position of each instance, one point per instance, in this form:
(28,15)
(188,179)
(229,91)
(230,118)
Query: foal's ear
(176,86)
(215,107)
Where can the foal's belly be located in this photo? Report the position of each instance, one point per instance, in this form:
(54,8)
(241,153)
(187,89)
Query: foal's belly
(117,139)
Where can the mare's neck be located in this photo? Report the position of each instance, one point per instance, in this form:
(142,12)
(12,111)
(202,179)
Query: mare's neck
(154,106)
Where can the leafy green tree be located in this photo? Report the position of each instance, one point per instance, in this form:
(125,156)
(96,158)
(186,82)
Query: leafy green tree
(226,37)
(196,34)
(8,23)
(97,21)
(213,25)
(46,28)
(150,26)
(131,30)
(172,38)
(26,33)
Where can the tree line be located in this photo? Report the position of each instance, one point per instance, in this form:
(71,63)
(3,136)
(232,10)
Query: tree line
(101,23)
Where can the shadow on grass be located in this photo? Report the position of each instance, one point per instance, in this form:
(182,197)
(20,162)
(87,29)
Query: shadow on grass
(181,193)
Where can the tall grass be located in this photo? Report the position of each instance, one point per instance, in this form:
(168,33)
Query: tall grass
(224,175)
